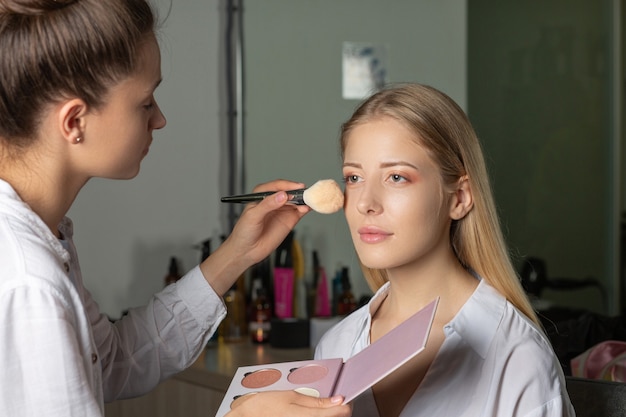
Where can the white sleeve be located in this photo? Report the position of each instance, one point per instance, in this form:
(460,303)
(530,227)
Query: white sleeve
(154,342)
(42,369)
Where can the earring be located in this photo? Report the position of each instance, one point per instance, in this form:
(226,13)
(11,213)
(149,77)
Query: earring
(78,139)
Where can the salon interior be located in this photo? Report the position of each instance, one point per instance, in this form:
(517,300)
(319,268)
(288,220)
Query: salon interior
(256,90)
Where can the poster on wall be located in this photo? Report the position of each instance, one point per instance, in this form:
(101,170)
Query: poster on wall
(364,69)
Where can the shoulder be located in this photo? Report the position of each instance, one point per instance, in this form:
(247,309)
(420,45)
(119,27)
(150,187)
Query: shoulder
(502,335)
(30,257)
(509,330)
(525,343)
(529,368)
(517,358)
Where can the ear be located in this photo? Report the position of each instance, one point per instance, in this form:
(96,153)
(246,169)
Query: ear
(462,200)
(71,120)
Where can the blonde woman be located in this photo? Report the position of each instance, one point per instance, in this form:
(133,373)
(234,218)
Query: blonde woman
(423,221)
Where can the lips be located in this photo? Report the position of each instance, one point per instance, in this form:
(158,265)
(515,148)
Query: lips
(373,234)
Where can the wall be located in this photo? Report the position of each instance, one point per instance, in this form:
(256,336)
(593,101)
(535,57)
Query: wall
(540,100)
(126,231)
(294,104)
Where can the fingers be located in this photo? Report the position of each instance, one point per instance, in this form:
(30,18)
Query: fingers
(288,404)
(260,229)
(278,185)
(329,402)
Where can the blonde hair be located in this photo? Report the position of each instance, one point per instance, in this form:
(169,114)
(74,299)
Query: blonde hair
(442,127)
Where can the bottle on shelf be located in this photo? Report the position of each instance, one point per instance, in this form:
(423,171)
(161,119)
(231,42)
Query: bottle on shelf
(320,282)
(347,302)
(205,249)
(233,327)
(284,278)
(173,274)
(260,313)
(337,289)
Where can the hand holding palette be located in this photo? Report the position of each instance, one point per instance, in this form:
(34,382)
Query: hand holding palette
(327,377)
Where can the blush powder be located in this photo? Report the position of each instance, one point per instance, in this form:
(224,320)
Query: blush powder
(307,374)
(261,378)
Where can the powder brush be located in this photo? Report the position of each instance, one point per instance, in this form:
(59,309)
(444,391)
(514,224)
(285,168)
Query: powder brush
(325,196)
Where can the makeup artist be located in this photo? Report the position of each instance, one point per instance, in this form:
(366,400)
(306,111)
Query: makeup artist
(76,102)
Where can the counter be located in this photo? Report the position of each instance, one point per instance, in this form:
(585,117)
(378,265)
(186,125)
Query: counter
(198,390)
(216,366)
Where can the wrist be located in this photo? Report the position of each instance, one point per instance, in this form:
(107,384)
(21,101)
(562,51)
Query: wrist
(222,268)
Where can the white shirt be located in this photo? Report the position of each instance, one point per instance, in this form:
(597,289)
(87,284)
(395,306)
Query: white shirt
(59,356)
(493,362)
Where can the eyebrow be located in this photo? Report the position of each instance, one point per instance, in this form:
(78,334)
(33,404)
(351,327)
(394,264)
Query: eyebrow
(398,163)
(383,165)
(156,85)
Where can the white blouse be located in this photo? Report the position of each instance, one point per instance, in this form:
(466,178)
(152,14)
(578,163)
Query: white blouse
(59,356)
(493,362)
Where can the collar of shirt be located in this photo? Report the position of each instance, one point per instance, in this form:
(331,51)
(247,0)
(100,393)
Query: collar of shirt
(477,322)
(11,203)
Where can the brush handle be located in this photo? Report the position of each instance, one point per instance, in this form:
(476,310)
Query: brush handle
(295,197)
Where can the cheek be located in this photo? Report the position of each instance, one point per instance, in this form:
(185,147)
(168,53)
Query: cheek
(350,209)
(423,211)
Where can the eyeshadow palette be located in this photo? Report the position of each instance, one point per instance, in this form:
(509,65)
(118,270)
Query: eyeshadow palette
(327,377)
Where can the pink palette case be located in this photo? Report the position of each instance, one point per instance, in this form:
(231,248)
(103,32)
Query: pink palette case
(327,377)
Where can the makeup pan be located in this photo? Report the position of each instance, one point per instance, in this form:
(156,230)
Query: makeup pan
(261,378)
(307,374)
(328,377)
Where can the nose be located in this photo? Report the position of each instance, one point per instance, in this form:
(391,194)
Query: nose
(158,120)
(368,201)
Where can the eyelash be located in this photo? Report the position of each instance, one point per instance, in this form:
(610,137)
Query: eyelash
(396,178)
(348,179)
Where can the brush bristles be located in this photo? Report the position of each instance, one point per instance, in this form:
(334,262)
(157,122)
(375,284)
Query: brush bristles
(325,196)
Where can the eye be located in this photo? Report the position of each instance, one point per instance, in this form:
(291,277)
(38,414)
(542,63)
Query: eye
(397,178)
(351,179)
(149,103)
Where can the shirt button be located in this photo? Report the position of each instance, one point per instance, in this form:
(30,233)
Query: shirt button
(94,358)
(67,267)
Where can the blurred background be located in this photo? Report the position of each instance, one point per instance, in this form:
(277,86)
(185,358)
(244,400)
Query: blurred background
(263,97)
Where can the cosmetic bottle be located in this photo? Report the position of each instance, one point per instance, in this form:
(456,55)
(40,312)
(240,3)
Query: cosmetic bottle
(284,278)
(205,249)
(347,302)
(233,327)
(299,289)
(260,314)
(337,289)
(314,268)
(173,274)
(322,297)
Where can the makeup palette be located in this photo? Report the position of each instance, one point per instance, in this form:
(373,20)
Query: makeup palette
(327,377)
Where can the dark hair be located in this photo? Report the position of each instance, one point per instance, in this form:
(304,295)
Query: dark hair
(54,49)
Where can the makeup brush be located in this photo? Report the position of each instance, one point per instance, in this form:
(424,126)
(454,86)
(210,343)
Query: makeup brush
(325,196)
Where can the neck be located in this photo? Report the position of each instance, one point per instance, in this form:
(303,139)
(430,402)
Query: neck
(414,286)
(45,187)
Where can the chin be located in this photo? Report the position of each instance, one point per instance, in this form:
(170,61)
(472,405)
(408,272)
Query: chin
(128,175)
(374,262)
